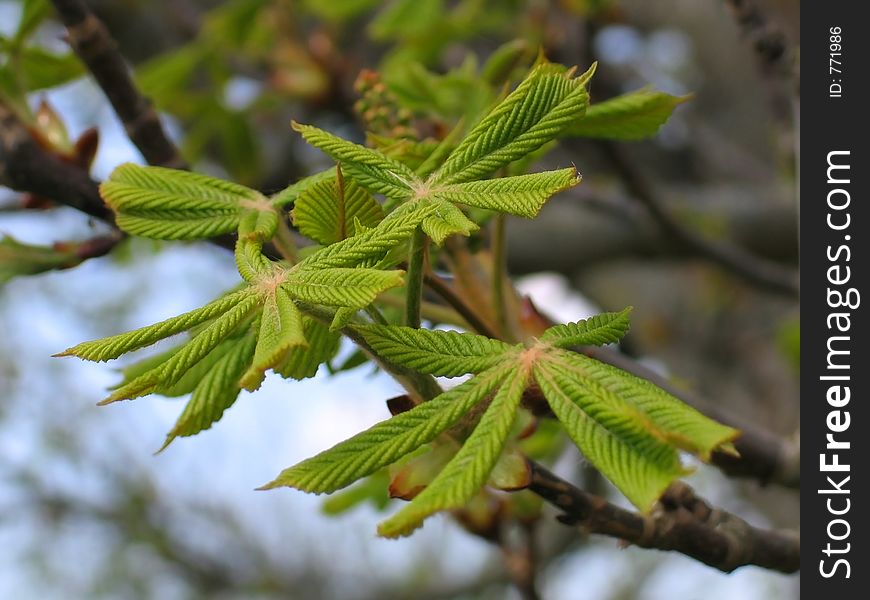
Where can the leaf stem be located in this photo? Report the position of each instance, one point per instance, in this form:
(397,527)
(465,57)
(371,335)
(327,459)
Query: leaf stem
(443,289)
(416,261)
(429,310)
(376,316)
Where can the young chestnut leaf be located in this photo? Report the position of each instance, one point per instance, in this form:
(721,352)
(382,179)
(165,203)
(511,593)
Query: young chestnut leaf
(546,102)
(633,116)
(628,428)
(168,204)
(329,211)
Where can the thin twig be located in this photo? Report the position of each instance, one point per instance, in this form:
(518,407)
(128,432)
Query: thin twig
(758,271)
(683,523)
(94,45)
(518,554)
(447,293)
(768,41)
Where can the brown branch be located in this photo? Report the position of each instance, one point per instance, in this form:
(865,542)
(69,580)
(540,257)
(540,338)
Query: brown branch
(447,293)
(27,167)
(94,45)
(768,41)
(753,269)
(682,523)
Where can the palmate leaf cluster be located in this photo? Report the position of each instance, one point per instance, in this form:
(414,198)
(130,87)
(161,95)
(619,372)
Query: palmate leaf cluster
(287,315)
(629,429)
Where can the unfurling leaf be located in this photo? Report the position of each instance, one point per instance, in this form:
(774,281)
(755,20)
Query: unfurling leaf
(113,347)
(523,195)
(177,205)
(466,473)
(353,288)
(280,330)
(387,441)
(444,353)
(216,391)
(606,328)
(302,363)
(371,169)
(629,429)
(546,102)
(329,211)
(188,355)
(632,116)
(447,220)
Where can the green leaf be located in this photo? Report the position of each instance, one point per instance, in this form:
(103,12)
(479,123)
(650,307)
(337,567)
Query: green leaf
(372,170)
(42,69)
(674,421)
(215,392)
(632,116)
(536,112)
(523,195)
(444,353)
(164,78)
(340,11)
(327,212)
(116,345)
(354,288)
(468,471)
(501,64)
(303,362)
(281,330)
(251,264)
(372,245)
(291,193)
(17,258)
(446,221)
(387,441)
(630,432)
(406,18)
(33,13)
(372,489)
(188,355)
(606,328)
(612,435)
(188,382)
(168,204)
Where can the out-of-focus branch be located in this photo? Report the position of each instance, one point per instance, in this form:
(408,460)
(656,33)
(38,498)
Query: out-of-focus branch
(94,45)
(592,228)
(769,42)
(682,523)
(757,271)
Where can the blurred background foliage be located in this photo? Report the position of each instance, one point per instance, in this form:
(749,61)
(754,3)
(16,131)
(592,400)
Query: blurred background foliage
(88,513)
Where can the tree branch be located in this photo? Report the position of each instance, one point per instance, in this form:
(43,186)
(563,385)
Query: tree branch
(26,167)
(94,45)
(768,41)
(682,523)
(762,273)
